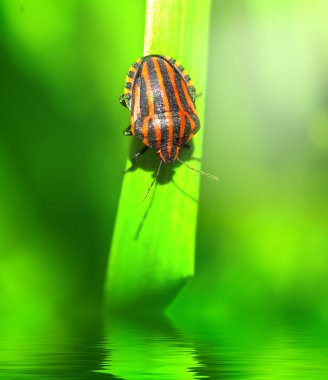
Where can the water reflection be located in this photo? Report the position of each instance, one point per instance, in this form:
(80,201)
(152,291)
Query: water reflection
(51,350)
(158,349)
(149,349)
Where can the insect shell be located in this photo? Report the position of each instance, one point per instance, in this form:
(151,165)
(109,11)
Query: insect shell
(161,99)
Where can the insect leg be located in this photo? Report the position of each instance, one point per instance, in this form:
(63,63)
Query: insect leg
(138,154)
(135,158)
(127,131)
(121,99)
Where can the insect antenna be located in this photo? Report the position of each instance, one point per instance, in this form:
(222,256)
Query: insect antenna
(153,181)
(215,178)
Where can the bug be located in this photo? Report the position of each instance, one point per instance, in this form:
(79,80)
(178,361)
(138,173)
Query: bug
(160,96)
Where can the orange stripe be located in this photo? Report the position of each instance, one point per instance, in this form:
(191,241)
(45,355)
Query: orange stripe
(136,108)
(150,94)
(157,130)
(182,127)
(170,127)
(187,95)
(136,103)
(168,148)
(144,130)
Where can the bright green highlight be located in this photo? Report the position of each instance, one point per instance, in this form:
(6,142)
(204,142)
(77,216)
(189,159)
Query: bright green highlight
(152,252)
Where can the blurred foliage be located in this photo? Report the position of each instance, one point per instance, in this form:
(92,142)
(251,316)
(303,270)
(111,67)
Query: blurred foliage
(262,239)
(263,242)
(62,152)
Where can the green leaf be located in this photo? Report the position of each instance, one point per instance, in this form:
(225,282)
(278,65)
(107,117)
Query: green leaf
(152,252)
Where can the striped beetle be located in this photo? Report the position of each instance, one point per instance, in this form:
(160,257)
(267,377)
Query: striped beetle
(160,96)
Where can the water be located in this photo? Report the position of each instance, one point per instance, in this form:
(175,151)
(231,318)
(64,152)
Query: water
(160,349)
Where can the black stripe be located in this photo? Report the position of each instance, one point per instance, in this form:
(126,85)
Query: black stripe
(176,133)
(176,126)
(128,85)
(197,122)
(154,82)
(132,97)
(138,126)
(173,150)
(144,107)
(169,88)
(131,74)
(178,83)
(164,128)
(187,130)
(151,134)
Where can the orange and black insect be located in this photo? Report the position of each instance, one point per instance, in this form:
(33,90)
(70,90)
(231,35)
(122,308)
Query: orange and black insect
(161,97)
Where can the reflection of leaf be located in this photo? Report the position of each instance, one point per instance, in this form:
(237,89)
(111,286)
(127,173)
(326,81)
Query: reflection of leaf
(147,349)
(149,270)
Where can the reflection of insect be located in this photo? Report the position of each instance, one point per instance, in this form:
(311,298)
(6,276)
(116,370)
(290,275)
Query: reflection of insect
(161,99)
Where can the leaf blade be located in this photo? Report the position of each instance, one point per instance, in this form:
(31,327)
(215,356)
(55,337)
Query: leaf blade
(153,246)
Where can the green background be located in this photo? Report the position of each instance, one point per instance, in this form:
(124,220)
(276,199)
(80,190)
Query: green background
(262,241)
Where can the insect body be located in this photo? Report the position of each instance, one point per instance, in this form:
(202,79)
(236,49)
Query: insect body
(161,99)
